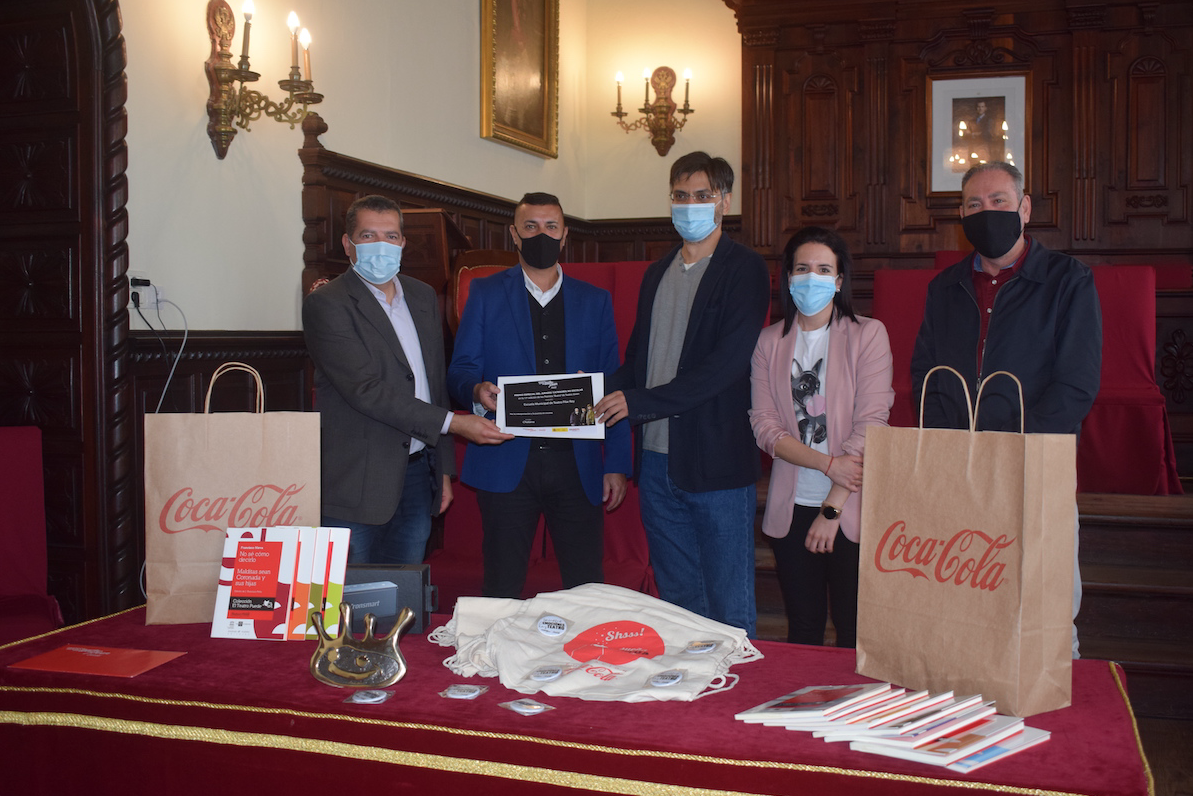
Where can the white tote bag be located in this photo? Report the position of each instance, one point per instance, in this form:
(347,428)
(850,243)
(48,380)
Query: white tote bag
(595,642)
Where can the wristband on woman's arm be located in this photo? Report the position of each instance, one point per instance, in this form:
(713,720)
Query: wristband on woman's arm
(830,464)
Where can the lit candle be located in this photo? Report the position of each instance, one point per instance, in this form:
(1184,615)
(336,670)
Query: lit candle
(646,77)
(248,23)
(305,39)
(292,23)
(619,77)
(687,80)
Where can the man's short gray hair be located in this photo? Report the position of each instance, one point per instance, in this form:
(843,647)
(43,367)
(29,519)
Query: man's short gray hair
(997,165)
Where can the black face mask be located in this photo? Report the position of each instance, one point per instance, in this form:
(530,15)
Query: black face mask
(992,232)
(540,251)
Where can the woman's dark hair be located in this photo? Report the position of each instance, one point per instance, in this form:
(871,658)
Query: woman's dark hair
(842,301)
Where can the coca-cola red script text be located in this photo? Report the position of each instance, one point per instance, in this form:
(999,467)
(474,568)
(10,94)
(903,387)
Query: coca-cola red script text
(262,505)
(967,559)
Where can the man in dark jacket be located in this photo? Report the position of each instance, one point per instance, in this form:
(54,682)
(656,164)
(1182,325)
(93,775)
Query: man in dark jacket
(685,385)
(1012,305)
(376,339)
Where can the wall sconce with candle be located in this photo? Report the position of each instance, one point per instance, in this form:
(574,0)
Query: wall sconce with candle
(228,104)
(658,117)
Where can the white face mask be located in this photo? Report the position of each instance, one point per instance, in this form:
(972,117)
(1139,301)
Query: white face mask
(694,223)
(812,292)
(378,261)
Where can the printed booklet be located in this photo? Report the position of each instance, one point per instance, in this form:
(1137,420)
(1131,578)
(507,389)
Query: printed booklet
(953,747)
(108,661)
(272,579)
(961,733)
(813,702)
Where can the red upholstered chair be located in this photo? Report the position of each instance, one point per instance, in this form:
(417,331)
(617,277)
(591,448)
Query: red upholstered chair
(899,303)
(458,295)
(1126,444)
(26,609)
(622,280)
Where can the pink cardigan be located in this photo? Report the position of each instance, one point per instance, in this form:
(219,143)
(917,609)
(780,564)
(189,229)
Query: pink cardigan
(858,394)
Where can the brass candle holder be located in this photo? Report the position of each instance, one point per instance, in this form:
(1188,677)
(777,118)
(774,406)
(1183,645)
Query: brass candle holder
(232,103)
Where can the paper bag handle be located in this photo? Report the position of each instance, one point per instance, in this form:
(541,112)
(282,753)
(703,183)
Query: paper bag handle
(964,389)
(228,367)
(1018,384)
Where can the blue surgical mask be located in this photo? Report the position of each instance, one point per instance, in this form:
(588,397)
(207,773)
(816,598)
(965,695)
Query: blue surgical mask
(694,223)
(378,261)
(812,292)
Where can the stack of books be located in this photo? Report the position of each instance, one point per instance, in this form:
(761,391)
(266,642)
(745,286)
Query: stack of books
(272,579)
(962,733)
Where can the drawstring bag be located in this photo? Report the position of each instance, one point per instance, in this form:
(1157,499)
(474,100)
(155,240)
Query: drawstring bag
(595,642)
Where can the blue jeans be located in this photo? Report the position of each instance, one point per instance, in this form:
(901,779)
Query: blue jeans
(402,540)
(701,545)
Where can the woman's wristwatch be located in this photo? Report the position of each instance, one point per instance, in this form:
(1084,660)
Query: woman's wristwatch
(829,512)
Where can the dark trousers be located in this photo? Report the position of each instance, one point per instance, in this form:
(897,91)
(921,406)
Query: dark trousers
(812,582)
(550,488)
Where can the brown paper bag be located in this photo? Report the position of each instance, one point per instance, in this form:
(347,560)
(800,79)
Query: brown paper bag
(966,569)
(206,472)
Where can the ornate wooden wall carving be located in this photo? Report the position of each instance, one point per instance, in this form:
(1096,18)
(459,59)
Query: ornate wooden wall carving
(63,323)
(835,121)
(835,132)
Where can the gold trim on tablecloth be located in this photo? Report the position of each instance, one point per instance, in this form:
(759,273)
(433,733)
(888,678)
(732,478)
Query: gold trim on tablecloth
(573,779)
(468,765)
(69,627)
(1147,769)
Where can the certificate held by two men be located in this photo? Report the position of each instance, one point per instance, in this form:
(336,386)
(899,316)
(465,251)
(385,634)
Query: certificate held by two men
(555,405)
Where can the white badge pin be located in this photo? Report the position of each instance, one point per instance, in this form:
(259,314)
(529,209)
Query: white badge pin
(370,697)
(667,678)
(460,691)
(527,707)
(545,674)
(699,647)
(552,626)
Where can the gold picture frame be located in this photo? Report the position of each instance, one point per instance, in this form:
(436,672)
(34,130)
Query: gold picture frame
(520,74)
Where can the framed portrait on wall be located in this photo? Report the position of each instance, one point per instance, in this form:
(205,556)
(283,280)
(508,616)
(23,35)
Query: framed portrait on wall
(520,74)
(974,120)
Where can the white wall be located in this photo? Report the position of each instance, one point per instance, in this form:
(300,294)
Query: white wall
(223,239)
(625,176)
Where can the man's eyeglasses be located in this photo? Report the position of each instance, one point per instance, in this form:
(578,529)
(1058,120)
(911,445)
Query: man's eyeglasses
(700,197)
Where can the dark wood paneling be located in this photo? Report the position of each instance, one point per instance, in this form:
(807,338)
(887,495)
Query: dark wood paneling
(63,323)
(834,132)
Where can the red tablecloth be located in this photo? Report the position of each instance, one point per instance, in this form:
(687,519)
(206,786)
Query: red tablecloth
(240,716)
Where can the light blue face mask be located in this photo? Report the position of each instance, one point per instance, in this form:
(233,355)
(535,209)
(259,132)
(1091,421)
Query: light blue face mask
(378,261)
(694,223)
(812,292)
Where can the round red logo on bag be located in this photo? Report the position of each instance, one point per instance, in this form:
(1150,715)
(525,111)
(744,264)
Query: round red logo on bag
(615,643)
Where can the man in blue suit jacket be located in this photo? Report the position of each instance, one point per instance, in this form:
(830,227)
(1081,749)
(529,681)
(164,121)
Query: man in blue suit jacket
(524,321)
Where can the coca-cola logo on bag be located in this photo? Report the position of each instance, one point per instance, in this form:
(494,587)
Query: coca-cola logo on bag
(260,505)
(968,558)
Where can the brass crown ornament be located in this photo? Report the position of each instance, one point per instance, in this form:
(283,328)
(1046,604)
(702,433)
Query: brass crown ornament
(348,662)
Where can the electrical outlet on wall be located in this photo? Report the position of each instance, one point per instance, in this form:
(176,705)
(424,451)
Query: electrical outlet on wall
(149,296)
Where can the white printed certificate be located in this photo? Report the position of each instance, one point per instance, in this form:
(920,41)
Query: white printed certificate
(554,405)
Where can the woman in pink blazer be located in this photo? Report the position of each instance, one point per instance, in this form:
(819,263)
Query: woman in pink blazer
(820,378)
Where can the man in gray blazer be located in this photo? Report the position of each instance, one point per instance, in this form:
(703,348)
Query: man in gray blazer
(377,343)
